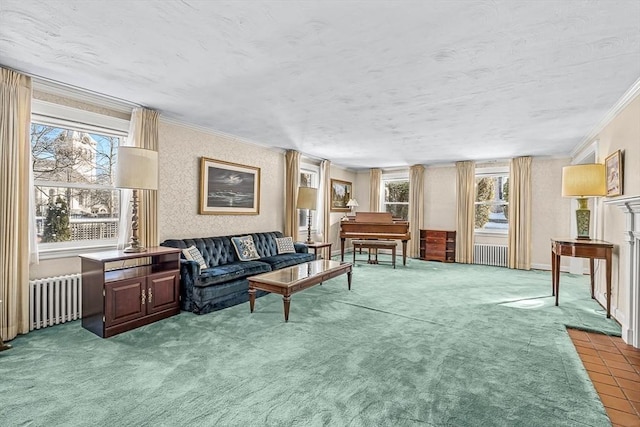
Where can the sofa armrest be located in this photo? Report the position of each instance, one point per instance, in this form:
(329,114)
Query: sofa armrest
(301,248)
(189,271)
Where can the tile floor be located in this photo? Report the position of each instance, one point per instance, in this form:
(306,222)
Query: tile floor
(614,368)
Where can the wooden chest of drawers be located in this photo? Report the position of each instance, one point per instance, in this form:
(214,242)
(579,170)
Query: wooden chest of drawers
(438,245)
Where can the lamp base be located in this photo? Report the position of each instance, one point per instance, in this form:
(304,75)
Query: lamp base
(134,249)
(583,218)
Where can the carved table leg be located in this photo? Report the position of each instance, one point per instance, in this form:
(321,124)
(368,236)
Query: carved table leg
(287,302)
(252,297)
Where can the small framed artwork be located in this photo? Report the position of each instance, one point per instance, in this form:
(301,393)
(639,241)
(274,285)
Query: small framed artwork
(613,166)
(228,188)
(341,192)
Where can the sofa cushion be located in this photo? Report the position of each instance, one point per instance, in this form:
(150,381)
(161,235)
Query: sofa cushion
(234,270)
(286,260)
(245,248)
(193,254)
(285,245)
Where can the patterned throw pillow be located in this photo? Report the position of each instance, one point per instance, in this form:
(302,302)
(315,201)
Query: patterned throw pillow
(285,245)
(245,248)
(193,254)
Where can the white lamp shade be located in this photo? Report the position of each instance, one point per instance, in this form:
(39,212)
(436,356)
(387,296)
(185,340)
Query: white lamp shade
(352,203)
(587,180)
(307,198)
(137,168)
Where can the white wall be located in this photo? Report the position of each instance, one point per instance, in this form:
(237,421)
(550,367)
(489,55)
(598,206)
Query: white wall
(333,235)
(440,198)
(180,150)
(550,212)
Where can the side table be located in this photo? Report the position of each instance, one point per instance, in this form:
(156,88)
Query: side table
(316,246)
(592,249)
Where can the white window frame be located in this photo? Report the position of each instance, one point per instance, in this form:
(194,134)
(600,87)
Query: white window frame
(391,177)
(487,173)
(51,114)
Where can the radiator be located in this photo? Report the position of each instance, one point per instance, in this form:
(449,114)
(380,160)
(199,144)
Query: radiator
(54,300)
(496,255)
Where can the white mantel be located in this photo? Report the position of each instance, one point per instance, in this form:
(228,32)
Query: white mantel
(631,208)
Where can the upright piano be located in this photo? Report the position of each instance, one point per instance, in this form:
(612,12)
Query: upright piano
(375,225)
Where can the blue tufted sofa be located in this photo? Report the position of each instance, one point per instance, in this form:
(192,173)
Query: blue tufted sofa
(224,283)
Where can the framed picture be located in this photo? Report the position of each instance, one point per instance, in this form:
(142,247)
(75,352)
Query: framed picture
(228,188)
(341,192)
(613,166)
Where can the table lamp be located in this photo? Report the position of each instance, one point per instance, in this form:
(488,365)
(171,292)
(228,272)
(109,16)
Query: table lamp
(582,181)
(352,203)
(137,169)
(307,199)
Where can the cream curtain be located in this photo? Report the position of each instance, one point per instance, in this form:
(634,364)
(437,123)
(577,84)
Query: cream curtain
(520,213)
(375,175)
(416,208)
(465,218)
(15,189)
(143,132)
(292,182)
(325,190)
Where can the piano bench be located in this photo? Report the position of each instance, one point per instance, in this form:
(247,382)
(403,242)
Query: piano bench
(373,246)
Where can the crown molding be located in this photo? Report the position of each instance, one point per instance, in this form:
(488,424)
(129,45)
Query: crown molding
(217,133)
(628,96)
(73,93)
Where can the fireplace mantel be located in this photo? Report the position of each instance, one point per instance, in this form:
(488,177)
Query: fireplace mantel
(631,208)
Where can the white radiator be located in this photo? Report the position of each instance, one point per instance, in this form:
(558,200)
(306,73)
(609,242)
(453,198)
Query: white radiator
(54,300)
(496,255)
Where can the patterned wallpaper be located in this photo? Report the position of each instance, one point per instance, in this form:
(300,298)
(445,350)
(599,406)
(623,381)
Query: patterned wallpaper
(180,149)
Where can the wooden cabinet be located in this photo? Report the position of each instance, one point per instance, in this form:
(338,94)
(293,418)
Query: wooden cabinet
(122,291)
(438,245)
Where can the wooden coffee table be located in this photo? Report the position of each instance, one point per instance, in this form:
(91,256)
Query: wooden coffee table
(288,281)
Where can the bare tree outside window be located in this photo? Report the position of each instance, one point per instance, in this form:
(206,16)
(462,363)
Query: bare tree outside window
(74,168)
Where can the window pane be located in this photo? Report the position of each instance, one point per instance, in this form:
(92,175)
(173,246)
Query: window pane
(71,214)
(492,195)
(63,213)
(65,155)
(396,191)
(398,211)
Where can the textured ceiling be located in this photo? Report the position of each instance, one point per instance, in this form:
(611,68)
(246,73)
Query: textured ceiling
(363,83)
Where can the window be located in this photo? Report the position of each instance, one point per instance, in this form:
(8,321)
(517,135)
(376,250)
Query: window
(74,155)
(308,178)
(396,197)
(492,201)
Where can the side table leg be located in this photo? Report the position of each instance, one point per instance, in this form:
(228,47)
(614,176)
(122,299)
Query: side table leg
(252,298)
(287,302)
(553,273)
(591,271)
(556,276)
(349,279)
(608,278)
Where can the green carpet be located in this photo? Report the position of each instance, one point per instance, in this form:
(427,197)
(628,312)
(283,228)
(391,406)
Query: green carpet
(428,344)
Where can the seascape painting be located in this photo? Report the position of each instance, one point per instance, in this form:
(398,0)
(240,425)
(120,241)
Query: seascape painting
(229,188)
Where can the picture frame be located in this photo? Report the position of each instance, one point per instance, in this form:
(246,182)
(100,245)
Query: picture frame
(228,188)
(341,192)
(614,170)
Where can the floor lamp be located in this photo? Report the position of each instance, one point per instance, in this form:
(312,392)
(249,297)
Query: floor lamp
(582,181)
(138,170)
(307,199)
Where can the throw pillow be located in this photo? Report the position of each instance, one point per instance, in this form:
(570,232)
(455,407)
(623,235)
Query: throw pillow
(285,245)
(245,248)
(193,254)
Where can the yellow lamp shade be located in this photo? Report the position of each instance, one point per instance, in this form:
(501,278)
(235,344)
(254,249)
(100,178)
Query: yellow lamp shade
(587,180)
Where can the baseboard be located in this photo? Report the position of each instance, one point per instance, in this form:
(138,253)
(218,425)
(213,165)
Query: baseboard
(563,269)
